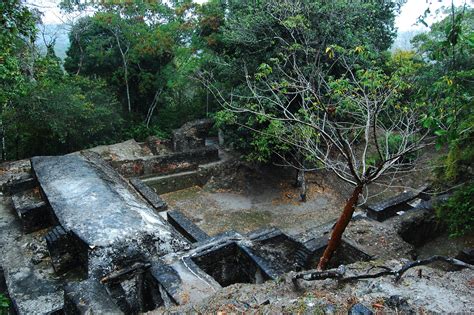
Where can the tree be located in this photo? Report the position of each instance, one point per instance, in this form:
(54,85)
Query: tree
(146,54)
(250,33)
(335,105)
(17,28)
(445,83)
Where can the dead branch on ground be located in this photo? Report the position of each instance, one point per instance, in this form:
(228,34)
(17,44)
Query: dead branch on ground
(339,272)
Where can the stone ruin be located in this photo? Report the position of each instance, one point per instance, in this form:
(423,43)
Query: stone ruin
(112,244)
(113,247)
(112,252)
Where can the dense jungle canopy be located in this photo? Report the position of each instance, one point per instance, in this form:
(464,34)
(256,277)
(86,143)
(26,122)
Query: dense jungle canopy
(144,68)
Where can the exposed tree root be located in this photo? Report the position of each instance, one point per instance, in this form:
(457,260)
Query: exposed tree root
(339,272)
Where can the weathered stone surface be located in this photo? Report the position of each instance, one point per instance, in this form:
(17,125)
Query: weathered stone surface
(149,194)
(157,146)
(466,255)
(126,150)
(359,309)
(93,202)
(174,182)
(183,281)
(399,304)
(419,226)
(191,135)
(88,297)
(127,288)
(31,292)
(184,226)
(347,253)
(33,212)
(65,250)
(12,171)
(279,252)
(230,263)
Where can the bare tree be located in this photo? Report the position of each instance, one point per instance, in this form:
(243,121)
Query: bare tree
(345,122)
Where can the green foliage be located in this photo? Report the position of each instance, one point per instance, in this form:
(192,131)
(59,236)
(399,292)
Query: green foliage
(16,23)
(60,114)
(446,89)
(154,56)
(4,304)
(139,132)
(457,165)
(458,211)
(445,86)
(445,81)
(256,39)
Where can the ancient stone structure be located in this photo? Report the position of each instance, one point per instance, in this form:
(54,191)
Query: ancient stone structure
(86,235)
(191,135)
(111,252)
(388,208)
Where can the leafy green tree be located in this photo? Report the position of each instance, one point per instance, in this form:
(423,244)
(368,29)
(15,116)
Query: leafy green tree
(57,117)
(145,54)
(445,85)
(249,34)
(17,25)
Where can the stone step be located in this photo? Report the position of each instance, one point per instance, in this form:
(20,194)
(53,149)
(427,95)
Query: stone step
(186,227)
(33,212)
(181,282)
(19,183)
(149,194)
(88,297)
(63,250)
(388,208)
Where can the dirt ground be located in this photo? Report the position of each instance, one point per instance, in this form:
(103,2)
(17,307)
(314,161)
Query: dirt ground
(246,198)
(266,199)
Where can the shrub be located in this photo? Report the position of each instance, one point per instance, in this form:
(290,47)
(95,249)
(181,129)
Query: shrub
(4,304)
(458,211)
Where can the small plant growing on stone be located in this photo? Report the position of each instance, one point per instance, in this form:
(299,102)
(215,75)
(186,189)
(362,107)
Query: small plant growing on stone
(4,304)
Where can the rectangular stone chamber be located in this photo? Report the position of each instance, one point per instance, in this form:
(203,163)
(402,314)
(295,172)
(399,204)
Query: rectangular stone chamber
(347,253)
(231,264)
(388,208)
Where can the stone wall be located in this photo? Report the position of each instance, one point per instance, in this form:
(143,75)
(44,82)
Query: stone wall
(191,135)
(166,164)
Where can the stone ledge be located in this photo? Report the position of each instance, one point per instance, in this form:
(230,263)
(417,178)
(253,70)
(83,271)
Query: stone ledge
(186,227)
(33,212)
(167,164)
(149,194)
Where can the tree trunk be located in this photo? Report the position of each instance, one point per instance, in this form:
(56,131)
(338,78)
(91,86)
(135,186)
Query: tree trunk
(340,227)
(125,68)
(302,184)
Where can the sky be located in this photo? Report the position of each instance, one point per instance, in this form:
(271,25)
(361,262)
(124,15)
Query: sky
(406,21)
(411,10)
